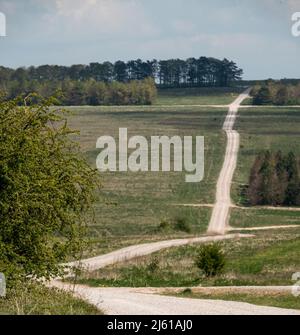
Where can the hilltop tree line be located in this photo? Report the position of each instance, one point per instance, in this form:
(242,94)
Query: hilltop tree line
(274,180)
(173,72)
(276,93)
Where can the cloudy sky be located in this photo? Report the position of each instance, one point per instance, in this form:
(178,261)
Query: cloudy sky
(254,33)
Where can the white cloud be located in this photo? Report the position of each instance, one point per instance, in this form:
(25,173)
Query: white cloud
(183,26)
(7,7)
(105,16)
(294,5)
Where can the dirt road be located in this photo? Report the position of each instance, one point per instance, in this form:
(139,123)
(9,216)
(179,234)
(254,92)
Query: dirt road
(129,301)
(135,251)
(220,215)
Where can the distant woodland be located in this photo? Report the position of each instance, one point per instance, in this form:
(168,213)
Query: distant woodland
(279,93)
(119,83)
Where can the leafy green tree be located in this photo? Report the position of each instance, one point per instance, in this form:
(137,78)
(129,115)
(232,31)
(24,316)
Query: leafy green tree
(284,92)
(254,190)
(211,260)
(282,96)
(274,180)
(46,191)
(263,97)
(293,188)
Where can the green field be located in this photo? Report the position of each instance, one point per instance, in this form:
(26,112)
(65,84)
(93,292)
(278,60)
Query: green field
(269,258)
(197,96)
(245,218)
(133,205)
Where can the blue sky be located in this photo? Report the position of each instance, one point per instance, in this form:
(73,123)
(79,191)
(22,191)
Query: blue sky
(254,33)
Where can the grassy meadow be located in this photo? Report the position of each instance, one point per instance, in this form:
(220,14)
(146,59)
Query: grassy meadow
(197,96)
(143,207)
(137,205)
(262,217)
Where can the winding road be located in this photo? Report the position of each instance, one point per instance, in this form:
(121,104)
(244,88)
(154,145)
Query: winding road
(140,250)
(220,215)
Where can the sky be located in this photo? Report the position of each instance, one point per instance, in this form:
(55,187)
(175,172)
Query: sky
(254,33)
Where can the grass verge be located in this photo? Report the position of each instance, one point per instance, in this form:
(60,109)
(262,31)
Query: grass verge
(282,300)
(35,299)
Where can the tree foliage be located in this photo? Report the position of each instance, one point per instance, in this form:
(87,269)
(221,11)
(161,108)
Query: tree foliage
(89,92)
(274,180)
(279,93)
(46,190)
(167,73)
(211,260)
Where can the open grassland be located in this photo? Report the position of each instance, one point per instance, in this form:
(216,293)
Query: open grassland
(35,299)
(260,217)
(270,258)
(264,129)
(142,207)
(281,300)
(197,96)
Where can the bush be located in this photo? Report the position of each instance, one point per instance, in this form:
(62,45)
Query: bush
(153,266)
(181,224)
(211,260)
(164,225)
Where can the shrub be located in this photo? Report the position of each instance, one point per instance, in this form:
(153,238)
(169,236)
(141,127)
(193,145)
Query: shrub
(153,266)
(211,260)
(164,225)
(181,224)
